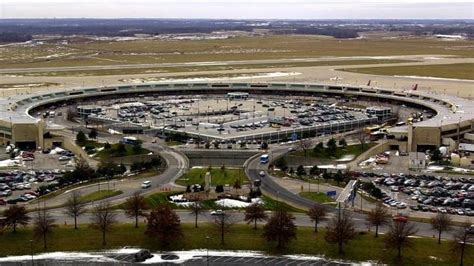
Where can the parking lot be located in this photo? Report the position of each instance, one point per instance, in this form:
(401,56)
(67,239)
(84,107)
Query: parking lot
(21,186)
(427,193)
(236,260)
(221,117)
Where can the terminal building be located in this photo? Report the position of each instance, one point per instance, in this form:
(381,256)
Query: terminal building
(453,123)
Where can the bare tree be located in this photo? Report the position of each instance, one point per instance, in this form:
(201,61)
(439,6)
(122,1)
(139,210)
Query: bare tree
(74,206)
(281,228)
(441,223)
(378,216)
(223,222)
(14,216)
(317,213)
(362,137)
(135,206)
(102,219)
(164,224)
(43,225)
(398,235)
(254,213)
(462,236)
(196,209)
(340,230)
(304,145)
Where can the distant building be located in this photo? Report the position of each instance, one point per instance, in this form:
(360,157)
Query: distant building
(86,110)
(381,112)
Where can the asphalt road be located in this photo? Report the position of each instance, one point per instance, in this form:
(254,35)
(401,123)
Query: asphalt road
(301,219)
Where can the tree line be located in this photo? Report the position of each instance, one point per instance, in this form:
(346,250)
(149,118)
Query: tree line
(163,223)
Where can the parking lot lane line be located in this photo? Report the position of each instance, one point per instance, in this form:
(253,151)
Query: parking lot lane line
(283,261)
(260,259)
(127,257)
(271,259)
(249,259)
(229,258)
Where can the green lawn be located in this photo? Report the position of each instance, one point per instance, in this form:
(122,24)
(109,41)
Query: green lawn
(273,205)
(317,197)
(218,176)
(355,150)
(157,198)
(162,197)
(457,71)
(114,152)
(98,195)
(241,237)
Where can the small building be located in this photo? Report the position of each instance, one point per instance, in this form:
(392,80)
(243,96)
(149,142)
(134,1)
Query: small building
(237,95)
(86,110)
(381,112)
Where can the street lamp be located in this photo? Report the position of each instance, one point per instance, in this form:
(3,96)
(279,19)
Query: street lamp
(207,249)
(32,253)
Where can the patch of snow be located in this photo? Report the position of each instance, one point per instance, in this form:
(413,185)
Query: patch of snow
(9,163)
(58,256)
(232,203)
(346,158)
(433,78)
(199,79)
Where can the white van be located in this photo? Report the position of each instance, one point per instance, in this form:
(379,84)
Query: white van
(146,184)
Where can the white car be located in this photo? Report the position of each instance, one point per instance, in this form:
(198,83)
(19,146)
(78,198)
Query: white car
(64,158)
(146,184)
(217,212)
(262,173)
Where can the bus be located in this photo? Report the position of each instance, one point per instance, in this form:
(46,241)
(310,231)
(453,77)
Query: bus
(374,136)
(372,129)
(129,140)
(264,159)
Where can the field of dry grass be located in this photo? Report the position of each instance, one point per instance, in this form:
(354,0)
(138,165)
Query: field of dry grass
(85,53)
(135,71)
(456,71)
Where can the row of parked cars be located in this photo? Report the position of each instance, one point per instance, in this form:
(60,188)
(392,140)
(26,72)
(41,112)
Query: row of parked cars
(17,180)
(454,195)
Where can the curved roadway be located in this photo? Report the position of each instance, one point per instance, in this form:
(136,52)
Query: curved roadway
(176,165)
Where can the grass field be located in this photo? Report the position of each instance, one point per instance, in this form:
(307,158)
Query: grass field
(218,177)
(355,150)
(80,53)
(317,197)
(162,197)
(135,71)
(99,195)
(241,237)
(456,71)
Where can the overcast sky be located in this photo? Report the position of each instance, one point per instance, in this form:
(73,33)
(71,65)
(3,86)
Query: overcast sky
(239,9)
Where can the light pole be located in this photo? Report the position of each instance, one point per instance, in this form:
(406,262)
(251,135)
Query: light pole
(207,250)
(32,253)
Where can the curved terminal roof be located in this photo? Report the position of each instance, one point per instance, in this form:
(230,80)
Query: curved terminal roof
(451,110)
